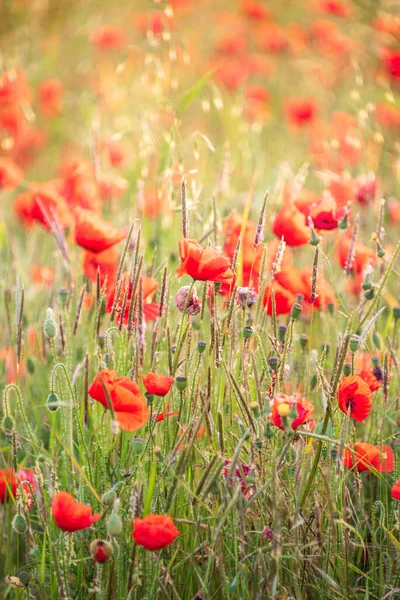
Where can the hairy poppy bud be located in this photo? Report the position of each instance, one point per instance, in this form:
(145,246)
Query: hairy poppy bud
(52,402)
(50,326)
(24,577)
(30,365)
(246,297)
(108,498)
(8,423)
(19,524)
(100,550)
(190,305)
(114,525)
(344,223)
(181,382)
(282,332)
(315,239)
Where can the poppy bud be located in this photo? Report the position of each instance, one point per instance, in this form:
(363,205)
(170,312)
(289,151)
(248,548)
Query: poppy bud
(100,550)
(63,295)
(30,365)
(366,284)
(282,332)
(201,346)
(258,443)
(108,498)
(313,381)
(8,423)
(343,223)
(268,533)
(331,308)
(255,409)
(50,326)
(191,305)
(268,431)
(247,332)
(173,349)
(114,525)
(19,524)
(354,343)
(52,402)
(380,252)
(246,297)
(376,338)
(396,313)
(315,239)
(296,310)
(181,382)
(137,445)
(24,577)
(346,369)
(273,363)
(369,294)
(303,340)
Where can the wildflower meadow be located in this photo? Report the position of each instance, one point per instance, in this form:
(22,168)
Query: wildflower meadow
(200,300)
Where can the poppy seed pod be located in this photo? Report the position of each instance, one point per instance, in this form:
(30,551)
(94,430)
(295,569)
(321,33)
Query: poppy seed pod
(354,343)
(201,346)
(108,498)
(296,310)
(181,382)
(189,305)
(101,550)
(63,295)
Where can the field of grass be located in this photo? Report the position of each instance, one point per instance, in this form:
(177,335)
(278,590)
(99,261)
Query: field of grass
(200,299)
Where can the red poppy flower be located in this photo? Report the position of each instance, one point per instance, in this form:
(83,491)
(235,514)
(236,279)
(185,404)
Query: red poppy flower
(105,262)
(366,188)
(396,490)
(204,264)
(391,63)
(362,254)
(94,233)
(8,484)
(284,299)
(14,88)
(101,551)
(154,22)
(325,215)
(79,186)
(157,384)
(291,224)
(154,532)
(354,394)
(301,111)
(50,95)
(129,406)
(334,7)
(272,38)
(42,203)
(153,201)
(253,9)
(71,515)
(150,309)
(303,407)
(369,376)
(158,417)
(364,456)
(387,115)
(325,294)
(109,37)
(11,174)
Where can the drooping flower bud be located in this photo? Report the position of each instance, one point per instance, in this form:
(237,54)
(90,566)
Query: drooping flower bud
(19,524)
(191,305)
(114,525)
(101,550)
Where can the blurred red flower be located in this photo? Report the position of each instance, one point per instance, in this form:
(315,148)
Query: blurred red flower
(11,174)
(93,233)
(70,515)
(364,456)
(302,406)
(154,532)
